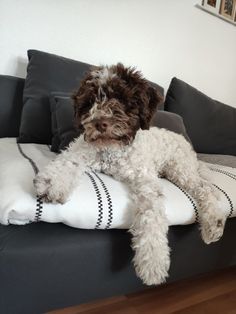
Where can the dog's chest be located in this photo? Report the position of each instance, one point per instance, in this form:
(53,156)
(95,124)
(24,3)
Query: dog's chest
(111,160)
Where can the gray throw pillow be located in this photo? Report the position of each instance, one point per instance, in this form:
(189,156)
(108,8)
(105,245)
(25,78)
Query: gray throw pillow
(211,125)
(62,114)
(45,73)
(170,121)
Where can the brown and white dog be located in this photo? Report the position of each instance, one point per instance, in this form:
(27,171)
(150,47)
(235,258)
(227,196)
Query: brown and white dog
(113,109)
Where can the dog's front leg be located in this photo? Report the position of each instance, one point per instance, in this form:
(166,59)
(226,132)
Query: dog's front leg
(55,182)
(150,231)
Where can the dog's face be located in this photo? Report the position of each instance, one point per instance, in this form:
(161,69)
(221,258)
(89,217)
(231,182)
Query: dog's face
(112,103)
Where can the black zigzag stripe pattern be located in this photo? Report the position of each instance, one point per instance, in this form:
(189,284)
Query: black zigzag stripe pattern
(39,202)
(232,176)
(109,201)
(228,174)
(190,199)
(39,209)
(99,200)
(229,200)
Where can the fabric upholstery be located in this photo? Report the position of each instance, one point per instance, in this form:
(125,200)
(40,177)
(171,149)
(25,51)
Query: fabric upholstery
(62,114)
(98,201)
(11,90)
(170,121)
(46,73)
(50,266)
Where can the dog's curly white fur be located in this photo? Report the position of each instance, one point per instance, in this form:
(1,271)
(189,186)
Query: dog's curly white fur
(140,162)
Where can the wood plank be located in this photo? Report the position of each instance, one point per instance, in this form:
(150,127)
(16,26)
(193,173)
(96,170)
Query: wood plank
(90,306)
(213,292)
(226,304)
(182,294)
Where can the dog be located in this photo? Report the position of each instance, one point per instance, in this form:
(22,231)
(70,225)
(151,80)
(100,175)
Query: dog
(113,108)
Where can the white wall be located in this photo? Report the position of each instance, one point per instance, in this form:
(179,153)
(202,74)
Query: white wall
(163,38)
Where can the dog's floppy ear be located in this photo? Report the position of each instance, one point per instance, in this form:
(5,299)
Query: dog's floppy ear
(139,93)
(79,99)
(150,100)
(77,116)
(83,99)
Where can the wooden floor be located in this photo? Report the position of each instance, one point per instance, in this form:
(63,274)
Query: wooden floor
(209,294)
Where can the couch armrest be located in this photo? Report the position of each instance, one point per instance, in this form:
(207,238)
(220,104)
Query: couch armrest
(11,91)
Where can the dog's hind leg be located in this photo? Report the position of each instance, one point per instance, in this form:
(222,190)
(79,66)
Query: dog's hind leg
(149,230)
(193,180)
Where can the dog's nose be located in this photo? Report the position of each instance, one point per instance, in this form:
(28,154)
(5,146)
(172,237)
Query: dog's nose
(101,126)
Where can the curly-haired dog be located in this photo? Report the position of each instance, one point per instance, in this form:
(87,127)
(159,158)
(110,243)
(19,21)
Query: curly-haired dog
(113,109)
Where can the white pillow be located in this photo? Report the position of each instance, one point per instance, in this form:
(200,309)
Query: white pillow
(98,202)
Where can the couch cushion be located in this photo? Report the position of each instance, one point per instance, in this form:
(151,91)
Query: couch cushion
(170,121)
(45,73)
(63,128)
(98,201)
(11,91)
(211,125)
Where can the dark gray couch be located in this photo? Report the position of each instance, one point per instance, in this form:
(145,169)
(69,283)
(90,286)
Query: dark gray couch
(49,266)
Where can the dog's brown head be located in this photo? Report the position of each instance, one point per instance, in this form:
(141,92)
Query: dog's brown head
(112,103)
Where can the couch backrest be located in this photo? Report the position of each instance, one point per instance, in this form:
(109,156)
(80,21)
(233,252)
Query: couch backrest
(11,91)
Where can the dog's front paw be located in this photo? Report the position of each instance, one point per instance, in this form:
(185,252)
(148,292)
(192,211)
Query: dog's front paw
(152,267)
(212,226)
(152,253)
(49,189)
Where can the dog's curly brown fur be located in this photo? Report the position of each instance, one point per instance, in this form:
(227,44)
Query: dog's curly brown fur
(122,90)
